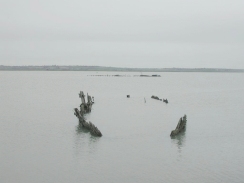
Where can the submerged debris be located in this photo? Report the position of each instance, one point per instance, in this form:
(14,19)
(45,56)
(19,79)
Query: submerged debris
(155,97)
(155,75)
(165,100)
(180,126)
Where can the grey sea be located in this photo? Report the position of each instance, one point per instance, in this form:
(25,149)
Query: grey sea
(41,140)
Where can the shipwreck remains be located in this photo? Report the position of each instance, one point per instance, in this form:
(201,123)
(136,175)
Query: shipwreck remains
(86,107)
(180,126)
(155,97)
(165,100)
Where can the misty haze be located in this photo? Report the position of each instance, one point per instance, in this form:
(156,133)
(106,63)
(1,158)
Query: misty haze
(121,91)
(155,34)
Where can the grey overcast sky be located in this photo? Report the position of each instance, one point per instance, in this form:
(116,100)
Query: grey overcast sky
(123,33)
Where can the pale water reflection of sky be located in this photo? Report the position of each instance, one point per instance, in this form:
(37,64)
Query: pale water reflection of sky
(135,33)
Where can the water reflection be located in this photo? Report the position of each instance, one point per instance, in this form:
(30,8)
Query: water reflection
(179,140)
(84,141)
(80,129)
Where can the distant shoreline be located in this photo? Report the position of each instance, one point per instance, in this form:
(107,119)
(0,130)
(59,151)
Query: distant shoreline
(113,69)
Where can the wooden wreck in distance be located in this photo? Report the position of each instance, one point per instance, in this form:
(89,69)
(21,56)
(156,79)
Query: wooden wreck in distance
(86,107)
(155,97)
(180,126)
(165,100)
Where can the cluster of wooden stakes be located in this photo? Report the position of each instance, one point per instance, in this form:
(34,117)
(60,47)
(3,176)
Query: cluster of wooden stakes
(85,107)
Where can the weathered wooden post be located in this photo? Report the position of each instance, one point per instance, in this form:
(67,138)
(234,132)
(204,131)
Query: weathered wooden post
(89,103)
(82,96)
(180,126)
(83,107)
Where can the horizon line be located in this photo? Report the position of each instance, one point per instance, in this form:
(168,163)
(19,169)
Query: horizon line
(119,67)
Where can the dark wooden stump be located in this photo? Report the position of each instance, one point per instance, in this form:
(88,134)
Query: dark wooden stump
(180,126)
(165,100)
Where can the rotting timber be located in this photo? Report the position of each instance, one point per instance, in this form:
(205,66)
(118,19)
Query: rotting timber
(180,126)
(165,100)
(86,107)
(155,97)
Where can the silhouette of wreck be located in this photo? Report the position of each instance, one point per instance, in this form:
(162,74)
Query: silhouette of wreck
(85,108)
(155,97)
(165,100)
(181,126)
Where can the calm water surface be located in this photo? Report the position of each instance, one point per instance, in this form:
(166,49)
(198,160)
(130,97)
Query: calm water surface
(42,142)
